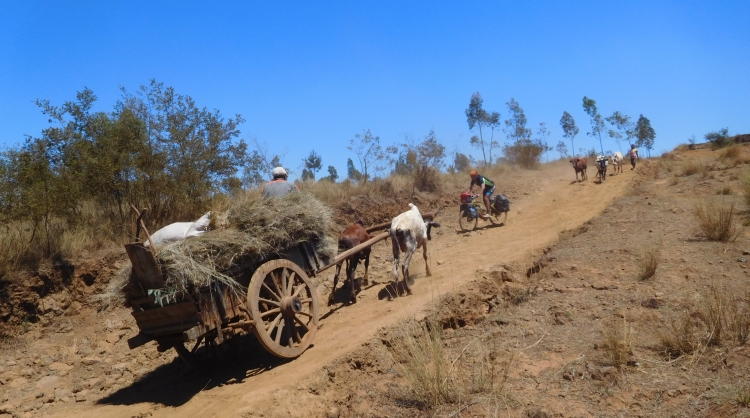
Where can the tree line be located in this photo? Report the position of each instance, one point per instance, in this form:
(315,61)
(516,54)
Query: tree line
(523,149)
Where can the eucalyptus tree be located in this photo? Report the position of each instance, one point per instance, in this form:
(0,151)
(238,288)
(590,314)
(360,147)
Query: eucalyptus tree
(644,134)
(624,128)
(570,130)
(477,116)
(597,123)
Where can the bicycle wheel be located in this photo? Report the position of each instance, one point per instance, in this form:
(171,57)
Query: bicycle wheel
(466,221)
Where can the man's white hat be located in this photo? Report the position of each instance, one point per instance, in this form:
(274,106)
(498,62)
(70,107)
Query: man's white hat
(279,171)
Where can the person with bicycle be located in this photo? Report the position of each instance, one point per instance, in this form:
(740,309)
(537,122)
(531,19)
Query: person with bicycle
(487,187)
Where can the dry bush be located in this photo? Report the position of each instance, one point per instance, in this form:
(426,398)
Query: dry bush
(617,343)
(679,336)
(726,316)
(648,262)
(724,191)
(716,221)
(744,181)
(693,167)
(437,376)
(733,152)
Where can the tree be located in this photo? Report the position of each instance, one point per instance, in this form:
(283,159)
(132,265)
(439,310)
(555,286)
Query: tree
(372,158)
(422,161)
(644,134)
(461,162)
(351,172)
(477,116)
(719,138)
(544,133)
(562,149)
(524,152)
(570,130)
(597,123)
(312,164)
(259,164)
(333,175)
(515,125)
(624,128)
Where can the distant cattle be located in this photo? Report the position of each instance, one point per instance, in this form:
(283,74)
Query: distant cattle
(601,168)
(580,164)
(617,162)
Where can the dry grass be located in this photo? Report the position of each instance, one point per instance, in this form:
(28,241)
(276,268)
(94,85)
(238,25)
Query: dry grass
(673,181)
(733,152)
(679,336)
(617,342)
(724,191)
(744,181)
(726,316)
(716,220)
(721,317)
(695,167)
(255,230)
(648,262)
(438,376)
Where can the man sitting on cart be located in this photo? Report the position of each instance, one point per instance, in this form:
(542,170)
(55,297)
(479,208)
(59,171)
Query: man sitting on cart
(487,187)
(278,187)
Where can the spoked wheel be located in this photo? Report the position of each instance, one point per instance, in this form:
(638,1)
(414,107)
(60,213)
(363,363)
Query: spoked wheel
(284,306)
(466,221)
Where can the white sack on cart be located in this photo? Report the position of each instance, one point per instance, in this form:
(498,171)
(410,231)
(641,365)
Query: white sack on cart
(181,230)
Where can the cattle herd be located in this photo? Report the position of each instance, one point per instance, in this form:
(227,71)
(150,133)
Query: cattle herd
(580,164)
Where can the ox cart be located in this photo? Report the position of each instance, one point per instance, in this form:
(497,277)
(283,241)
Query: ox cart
(280,305)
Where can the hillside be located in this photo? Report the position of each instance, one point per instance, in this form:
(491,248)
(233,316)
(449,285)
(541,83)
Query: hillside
(532,301)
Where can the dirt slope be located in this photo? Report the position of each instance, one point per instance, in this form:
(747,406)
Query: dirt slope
(146,383)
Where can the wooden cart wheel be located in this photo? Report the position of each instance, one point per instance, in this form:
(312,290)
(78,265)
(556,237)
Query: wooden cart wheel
(284,306)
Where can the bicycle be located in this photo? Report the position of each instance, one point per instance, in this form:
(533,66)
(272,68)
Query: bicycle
(472,209)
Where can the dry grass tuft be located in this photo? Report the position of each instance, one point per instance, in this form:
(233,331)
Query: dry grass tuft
(679,336)
(724,191)
(744,181)
(733,152)
(716,221)
(648,262)
(617,343)
(695,167)
(438,376)
(726,316)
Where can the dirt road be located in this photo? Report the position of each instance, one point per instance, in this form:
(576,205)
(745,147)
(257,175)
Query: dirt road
(550,204)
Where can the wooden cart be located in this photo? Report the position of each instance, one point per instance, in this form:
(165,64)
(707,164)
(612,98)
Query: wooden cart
(280,306)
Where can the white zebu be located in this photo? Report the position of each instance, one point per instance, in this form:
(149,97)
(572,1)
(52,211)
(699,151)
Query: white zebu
(409,231)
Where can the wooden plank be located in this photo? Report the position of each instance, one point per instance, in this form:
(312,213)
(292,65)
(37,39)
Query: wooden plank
(139,340)
(348,253)
(174,318)
(145,266)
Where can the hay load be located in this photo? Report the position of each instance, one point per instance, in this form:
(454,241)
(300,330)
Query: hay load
(249,229)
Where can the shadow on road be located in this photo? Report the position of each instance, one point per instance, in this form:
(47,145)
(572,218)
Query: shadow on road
(175,383)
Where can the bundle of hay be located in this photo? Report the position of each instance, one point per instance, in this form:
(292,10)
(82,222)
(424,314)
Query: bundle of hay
(249,229)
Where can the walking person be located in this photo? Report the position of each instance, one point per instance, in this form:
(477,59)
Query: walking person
(633,156)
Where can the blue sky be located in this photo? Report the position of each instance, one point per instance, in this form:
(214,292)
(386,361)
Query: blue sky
(311,75)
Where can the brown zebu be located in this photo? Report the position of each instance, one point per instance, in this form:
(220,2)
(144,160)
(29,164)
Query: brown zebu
(350,238)
(579,164)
